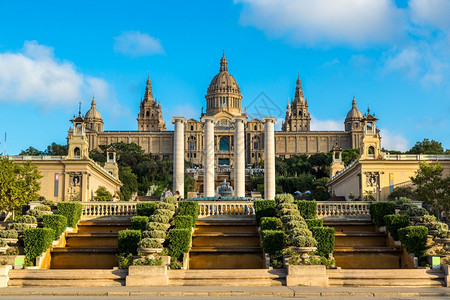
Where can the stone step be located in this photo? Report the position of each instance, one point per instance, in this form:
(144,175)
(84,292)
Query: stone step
(360,239)
(229,282)
(225,241)
(226,260)
(105,239)
(109,227)
(60,278)
(384,282)
(368,257)
(212,249)
(84,258)
(226,223)
(226,234)
(225,229)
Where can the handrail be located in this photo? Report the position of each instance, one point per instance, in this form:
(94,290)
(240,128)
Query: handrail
(228,208)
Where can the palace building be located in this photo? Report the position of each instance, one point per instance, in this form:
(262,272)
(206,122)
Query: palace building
(223,102)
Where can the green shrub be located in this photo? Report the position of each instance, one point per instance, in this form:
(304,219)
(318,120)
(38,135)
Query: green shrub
(164,212)
(294,224)
(145,208)
(304,241)
(403,202)
(308,209)
(270,223)
(414,239)
(154,234)
(442,228)
(9,234)
(36,241)
(139,223)
(394,223)
(289,218)
(183,222)
(156,226)
(17,226)
(3,243)
(56,222)
(426,219)
(300,232)
(128,241)
(26,219)
(287,205)
(284,198)
(36,213)
(189,208)
(150,243)
(48,202)
(43,207)
(273,242)
(290,212)
(72,211)
(179,241)
(380,209)
(159,218)
(264,208)
(325,239)
(170,199)
(165,205)
(415,211)
(314,223)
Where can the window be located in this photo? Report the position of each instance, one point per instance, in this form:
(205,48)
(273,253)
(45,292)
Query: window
(192,127)
(371,152)
(224,144)
(191,145)
(77,152)
(255,127)
(148,113)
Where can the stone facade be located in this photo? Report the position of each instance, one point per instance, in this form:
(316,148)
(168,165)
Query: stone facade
(223,102)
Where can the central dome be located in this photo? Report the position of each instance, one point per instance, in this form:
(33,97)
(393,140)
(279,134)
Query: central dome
(223,92)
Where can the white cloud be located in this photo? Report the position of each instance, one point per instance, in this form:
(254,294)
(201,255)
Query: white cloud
(310,22)
(35,75)
(391,141)
(326,125)
(406,60)
(431,12)
(135,43)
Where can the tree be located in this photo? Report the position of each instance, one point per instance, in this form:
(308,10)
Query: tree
(431,187)
(18,184)
(349,155)
(31,151)
(427,147)
(102,194)
(130,183)
(56,150)
(402,191)
(320,191)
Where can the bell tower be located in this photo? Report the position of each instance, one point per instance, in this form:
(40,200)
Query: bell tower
(78,142)
(371,140)
(111,163)
(336,165)
(150,115)
(297,117)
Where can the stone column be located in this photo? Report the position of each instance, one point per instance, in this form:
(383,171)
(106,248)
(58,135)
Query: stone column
(239,156)
(178,155)
(269,157)
(208,164)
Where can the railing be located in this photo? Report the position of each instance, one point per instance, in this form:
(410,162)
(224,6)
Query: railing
(228,208)
(416,157)
(102,209)
(344,208)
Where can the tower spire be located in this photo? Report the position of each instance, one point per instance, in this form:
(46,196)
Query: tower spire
(223,63)
(79,109)
(298,90)
(148,96)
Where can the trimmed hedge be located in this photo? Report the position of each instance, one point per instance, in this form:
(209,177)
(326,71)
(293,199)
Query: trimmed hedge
(414,239)
(128,241)
(145,208)
(308,209)
(159,219)
(154,234)
(325,239)
(164,212)
(72,211)
(26,219)
(314,223)
(380,209)
(156,226)
(183,222)
(304,241)
(179,241)
(264,208)
(188,208)
(139,223)
(395,222)
(36,241)
(270,223)
(56,222)
(273,242)
(284,198)
(165,205)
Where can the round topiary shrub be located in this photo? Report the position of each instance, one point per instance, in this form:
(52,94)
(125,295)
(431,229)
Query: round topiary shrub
(3,243)
(154,234)
(156,226)
(304,241)
(289,218)
(286,211)
(17,226)
(43,207)
(284,198)
(26,219)
(165,205)
(300,232)
(170,199)
(159,219)
(48,202)
(150,243)
(426,219)
(36,213)
(9,234)
(295,224)
(164,212)
(286,205)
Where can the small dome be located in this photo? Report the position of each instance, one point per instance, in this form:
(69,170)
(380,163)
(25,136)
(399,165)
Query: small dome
(223,82)
(93,113)
(354,113)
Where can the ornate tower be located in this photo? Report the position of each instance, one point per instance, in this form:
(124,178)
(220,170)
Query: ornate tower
(111,163)
(223,92)
(93,118)
(297,117)
(78,142)
(336,165)
(371,140)
(150,114)
(354,117)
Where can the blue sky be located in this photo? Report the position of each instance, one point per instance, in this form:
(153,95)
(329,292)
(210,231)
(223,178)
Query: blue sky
(393,55)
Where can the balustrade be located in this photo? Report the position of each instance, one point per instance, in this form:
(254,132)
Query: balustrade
(347,208)
(217,208)
(100,209)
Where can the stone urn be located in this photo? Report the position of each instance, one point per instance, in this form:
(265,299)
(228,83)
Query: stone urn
(148,251)
(304,252)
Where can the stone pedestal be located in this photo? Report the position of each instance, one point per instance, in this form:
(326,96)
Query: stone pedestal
(147,276)
(306,275)
(208,164)
(178,155)
(269,157)
(239,156)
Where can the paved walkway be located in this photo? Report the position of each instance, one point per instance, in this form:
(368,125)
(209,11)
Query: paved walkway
(225,291)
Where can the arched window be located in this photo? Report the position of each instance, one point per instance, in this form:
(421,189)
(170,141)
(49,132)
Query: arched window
(76,152)
(224,144)
(148,113)
(371,152)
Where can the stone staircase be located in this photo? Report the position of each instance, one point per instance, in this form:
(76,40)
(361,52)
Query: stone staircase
(240,277)
(359,246)
(226,244)
(399,277)
(61,278)
(94,246)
